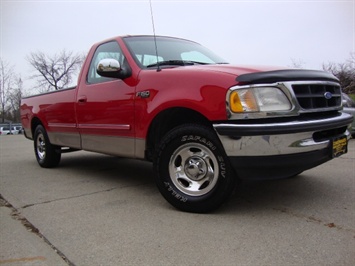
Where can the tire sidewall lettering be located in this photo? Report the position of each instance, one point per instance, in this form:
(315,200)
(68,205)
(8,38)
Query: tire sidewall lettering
(222,166)
(192,138)
(174,193)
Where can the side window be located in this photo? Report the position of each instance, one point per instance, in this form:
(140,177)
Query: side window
(107,50)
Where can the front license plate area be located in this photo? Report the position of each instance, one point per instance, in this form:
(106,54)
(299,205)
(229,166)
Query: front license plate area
(339,146)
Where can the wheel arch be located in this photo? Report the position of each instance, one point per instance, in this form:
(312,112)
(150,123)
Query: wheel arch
(34,123)
(167,120)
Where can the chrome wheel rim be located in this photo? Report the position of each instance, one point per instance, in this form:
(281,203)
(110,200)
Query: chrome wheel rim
(193,169)
(40,146)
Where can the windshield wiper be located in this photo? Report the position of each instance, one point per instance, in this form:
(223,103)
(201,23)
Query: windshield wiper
(176,63)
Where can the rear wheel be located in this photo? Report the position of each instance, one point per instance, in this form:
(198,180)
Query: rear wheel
(192,170)
(47,155)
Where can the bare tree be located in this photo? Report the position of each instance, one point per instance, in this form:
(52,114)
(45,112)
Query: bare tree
(55,72)
(345,72)
(6,80)
(297,63)
(15,99)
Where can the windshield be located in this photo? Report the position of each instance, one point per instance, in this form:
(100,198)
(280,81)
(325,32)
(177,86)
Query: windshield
(171,51)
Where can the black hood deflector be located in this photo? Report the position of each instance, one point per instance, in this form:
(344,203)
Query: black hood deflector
(285,75)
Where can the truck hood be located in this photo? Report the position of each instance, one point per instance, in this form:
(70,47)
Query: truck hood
(235,70)
(265,74)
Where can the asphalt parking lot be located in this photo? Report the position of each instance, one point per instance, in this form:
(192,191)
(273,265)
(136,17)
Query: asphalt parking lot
(100,210)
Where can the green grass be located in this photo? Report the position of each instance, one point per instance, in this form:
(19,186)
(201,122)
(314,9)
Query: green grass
(352,96)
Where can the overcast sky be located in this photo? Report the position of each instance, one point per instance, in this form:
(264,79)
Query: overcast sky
(242,32)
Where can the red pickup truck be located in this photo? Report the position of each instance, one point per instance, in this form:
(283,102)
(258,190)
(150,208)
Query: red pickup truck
(202,122)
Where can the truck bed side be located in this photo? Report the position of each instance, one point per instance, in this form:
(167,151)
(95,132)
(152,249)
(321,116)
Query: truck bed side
(56,112)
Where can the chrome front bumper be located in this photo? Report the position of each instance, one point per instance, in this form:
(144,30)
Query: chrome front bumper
(280,138)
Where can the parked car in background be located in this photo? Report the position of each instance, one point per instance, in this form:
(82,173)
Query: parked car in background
(6,130)
(19,129)
(349,108)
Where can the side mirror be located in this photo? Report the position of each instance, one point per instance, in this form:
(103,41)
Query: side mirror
(109,68)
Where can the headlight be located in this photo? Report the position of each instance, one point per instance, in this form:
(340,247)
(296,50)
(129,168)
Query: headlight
(259,99)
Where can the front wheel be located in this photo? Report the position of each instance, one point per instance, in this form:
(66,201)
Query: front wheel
(47,155)
(192,170)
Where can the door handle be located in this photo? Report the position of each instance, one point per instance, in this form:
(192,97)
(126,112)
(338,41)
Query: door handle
(82,99)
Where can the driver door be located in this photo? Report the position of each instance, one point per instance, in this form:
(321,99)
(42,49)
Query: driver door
(105,108)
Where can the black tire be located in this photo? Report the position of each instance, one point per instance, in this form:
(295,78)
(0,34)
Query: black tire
(47,155)
(192,170)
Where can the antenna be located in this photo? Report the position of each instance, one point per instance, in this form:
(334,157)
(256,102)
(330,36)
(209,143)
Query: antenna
(155,39)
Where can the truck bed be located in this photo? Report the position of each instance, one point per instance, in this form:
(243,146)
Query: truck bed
(57,110)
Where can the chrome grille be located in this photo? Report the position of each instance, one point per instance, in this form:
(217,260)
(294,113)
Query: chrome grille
(317,96)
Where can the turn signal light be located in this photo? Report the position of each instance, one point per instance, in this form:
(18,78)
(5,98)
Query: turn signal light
(235,103)
(243,101)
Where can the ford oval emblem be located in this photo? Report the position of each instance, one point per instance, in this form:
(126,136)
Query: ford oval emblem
(328,95)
